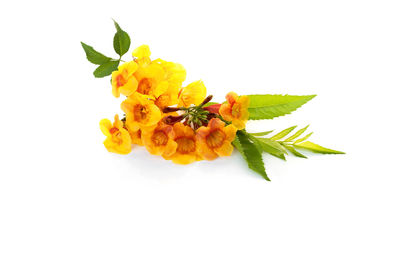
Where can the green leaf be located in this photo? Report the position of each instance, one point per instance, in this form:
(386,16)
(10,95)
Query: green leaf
(303,138)
(295,152)
(106,69)
(283,133)
(270,146)
(261,133)
(251,154)
(237,145)
(297,134)
(269,106)
(122,41)
(316,148)
(93,56)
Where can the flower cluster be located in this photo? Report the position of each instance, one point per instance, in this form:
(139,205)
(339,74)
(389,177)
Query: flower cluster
(176,122)
(180,123)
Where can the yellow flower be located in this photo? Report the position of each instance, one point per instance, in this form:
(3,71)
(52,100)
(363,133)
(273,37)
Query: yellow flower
(141,51)
(174,74)
(123,81)
(136,137)
(118,139)
(150,75)
(185,139)
(235,110)
(160,140)
(215,139)
(194,93)
(140,112)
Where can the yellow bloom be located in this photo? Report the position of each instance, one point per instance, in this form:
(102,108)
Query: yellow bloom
(174,74)
(123,81)
(140,112)
(141,52)
(136,137)
(235,110)
(194,93)
(185,139)
(215,139)
(160,140)
(118,139)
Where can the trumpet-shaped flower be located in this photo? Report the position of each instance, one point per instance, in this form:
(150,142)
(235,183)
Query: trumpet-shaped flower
(150,75)
(140,112)
(185,139)
(160,140)
(123,81)
(215,139)
(118,139)
(194,93)
(235,110)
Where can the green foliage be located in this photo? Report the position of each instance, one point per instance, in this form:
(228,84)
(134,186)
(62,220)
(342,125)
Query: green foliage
(93,56)
(316,148)
(269,146)
(122,41)
(269,106)
(261,133)
(250,153)
(106,69)
(283,133)
(297,134)
(294,151)
(252,145)
(303,138)
(107,64)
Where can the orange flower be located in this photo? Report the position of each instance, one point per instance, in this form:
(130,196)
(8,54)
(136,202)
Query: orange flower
(140,112)
(185,139)
(235,110)
(215,139)
(160,140)
(118,139)
(136,137)
(123,81)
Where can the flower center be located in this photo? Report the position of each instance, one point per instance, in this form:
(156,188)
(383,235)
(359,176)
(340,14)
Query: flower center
(236,110)
(159,138)
(116,135)
(185,145)
(120,80)
(139,112)
(144,86)
(215,139)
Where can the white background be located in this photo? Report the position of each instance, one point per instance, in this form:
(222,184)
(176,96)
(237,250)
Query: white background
(64,200)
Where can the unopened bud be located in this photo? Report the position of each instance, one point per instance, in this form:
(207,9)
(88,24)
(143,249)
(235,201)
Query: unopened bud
(170,120)
(170,109)
(206,100)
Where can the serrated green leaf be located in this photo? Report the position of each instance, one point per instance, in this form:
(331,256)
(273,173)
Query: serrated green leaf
(251,154)
(283,133)
(303,138)
(106,69)
(237,145)
(122,41)
(261,133)
(316,148)
(93,56)
(269,106)
(297,134)
(295,152)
